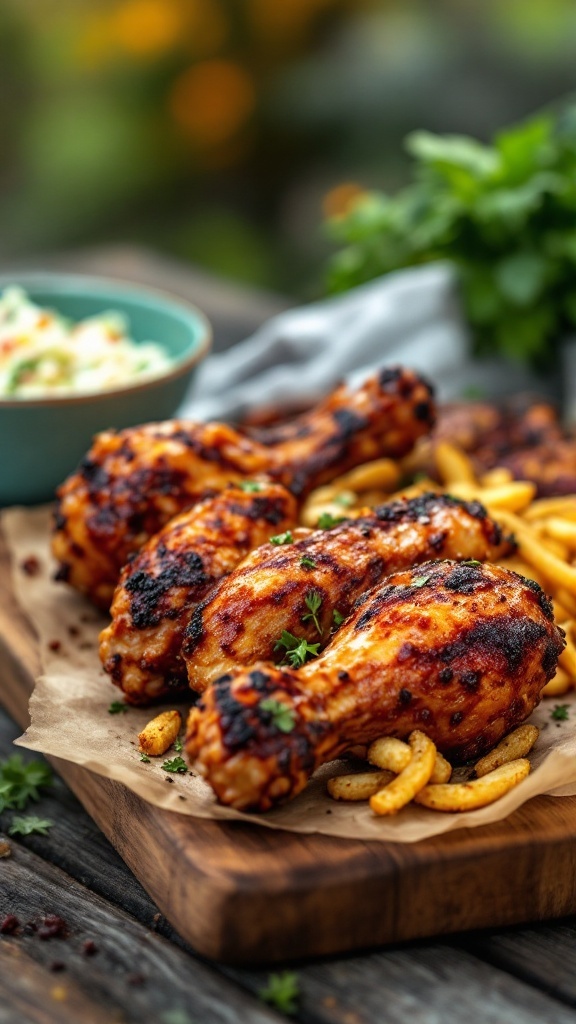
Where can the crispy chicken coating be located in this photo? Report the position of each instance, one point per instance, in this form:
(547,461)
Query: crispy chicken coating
(243,618)
(460,651)
(133,481)
(174,571)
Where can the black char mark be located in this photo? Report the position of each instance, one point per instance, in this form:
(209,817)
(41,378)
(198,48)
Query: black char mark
(185,570)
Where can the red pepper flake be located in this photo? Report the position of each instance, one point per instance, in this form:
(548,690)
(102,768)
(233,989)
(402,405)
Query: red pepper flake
(54,645)
(53,927)
(58,965)
(30,566)
(73,631)
(9,925)
(89,948)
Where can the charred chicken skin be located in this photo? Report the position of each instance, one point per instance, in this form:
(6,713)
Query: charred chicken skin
(174,571)
(133,481)
(273,590)
(461,651)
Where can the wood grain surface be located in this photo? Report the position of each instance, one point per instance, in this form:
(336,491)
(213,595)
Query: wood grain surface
(244,894)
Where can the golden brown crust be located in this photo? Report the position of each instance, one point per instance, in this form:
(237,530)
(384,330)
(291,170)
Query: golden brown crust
(460,651)
(243,618)
(173,572)
(133,481)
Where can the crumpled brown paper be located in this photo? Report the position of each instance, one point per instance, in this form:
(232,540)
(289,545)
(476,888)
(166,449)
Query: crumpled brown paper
(70,719)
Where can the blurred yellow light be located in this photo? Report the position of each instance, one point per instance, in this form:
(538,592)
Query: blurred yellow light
(340,199)
(147,27)
(212,100)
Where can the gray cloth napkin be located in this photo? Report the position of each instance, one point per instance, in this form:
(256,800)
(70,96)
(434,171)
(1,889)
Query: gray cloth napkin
(411,317)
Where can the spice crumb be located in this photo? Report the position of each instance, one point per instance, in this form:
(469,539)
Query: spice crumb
(58,965)
(89,948)
(5,848)
(54,645)
(9,925)
(30,566)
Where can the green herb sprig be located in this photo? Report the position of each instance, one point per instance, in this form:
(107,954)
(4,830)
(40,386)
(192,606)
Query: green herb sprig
(22,781)
(29,825)
(177,766)
(313,602)
(282,716)
(282,538)
(118,707)
(282,991)
(560,712)
(298,650)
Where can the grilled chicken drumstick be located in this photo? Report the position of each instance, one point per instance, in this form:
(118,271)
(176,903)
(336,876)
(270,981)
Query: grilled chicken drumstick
(174,571)
(133,481)
(461,651)
(273,590)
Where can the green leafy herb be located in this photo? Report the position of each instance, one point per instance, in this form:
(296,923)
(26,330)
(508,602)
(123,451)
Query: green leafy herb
(177,744)
(177,765)
(314,603)
(282,991)
(145,758)
(338,617)
(283,717)
(117,707)
(346,500)
(21,782)
(29,825)
(298,650)
(251,486)
(419,581)
(472,561)
(307,563)
(326,521)
(282,538)
(501,213)
(560,712)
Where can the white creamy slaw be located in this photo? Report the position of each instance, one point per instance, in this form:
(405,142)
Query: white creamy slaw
(42,353)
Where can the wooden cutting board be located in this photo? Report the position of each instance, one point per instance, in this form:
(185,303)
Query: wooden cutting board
(245,894)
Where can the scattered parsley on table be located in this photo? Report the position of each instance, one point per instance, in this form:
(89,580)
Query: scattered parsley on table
(21,782)
(144,757)
(117,707)
(177,744)
(29,825)
(282,991)
(177,765)
(560,712)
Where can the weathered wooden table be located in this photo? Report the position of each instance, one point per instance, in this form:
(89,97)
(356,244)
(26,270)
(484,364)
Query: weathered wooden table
(122,961)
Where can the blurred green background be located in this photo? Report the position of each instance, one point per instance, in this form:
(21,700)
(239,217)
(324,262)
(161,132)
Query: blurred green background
(222,131)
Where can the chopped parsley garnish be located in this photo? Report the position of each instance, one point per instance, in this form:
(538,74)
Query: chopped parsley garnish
(250,486)
(313,603)
(21,782)
(177,765)
(472,561)
(338,617)
(297,649)
(283,717)
(560,712)
(327,520)
(282,991)
(117,707)
(307,563)
(282,538)
(144,757)
(420,581)
(177,744)
(29,825)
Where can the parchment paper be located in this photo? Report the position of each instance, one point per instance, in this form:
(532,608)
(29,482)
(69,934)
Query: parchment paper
(70,719)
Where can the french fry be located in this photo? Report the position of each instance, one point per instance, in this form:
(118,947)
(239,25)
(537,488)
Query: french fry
(567,659)
(556,547)
(160,733)
(453,465)
(468,796)
(394,755)
(411,780)
(382,474)
(516,564)
(564,506)
(516,744)
(361,786)
(414,490)
(533,551)
(515,496)
(564,597)
(496,477)
(561,529)
(559,684)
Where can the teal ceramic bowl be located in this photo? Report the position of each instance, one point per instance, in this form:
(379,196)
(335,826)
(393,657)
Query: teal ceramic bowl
(43,439)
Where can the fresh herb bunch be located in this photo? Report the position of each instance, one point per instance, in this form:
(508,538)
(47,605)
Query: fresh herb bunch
(21,782)
(504,214)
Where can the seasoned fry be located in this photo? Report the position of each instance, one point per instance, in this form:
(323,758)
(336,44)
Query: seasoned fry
(564,506)
(453,465)
(467,796)
(496,477)
(516,744)
(410,781)
(560,683)
(515,496)
(561,529)
(361,786)
(565,598)
(394,755)
(381,474)
(160,733)
(567,659)
(389,753)
(531,548)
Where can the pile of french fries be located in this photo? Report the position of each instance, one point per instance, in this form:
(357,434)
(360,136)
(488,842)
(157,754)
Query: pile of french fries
(545,530)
